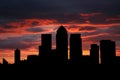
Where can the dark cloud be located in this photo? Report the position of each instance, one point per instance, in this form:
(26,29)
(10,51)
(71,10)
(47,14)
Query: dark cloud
(89,28)
(6,23)
(110,33)
(9,27)
(7,20)
(114,30)
(3,31)
(83,28)
(100,19)
(66,18)
(36,30)
(95,32)
(72,26)
(22,42)
(35,23)
(103,37)
(37,8)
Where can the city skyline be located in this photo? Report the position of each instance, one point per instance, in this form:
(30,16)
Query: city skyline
(74,49)
(105,53)
(23,21)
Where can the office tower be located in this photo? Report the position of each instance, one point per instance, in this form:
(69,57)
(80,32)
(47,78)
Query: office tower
(45,48)
(62,45)
(17,56)
(108,51)
(117,60)
(32,59)
(75,48)
(53,57)
(94,54)
(46,41)
(86,60)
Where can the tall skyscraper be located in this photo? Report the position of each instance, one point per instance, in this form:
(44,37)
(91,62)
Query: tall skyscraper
(108,51)
(17,56)
(62,45)
(75,48)
(45,48)
(94,54)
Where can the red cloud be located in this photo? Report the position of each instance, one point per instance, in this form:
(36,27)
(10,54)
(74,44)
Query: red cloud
(29,22)
(90,14)
(113,19)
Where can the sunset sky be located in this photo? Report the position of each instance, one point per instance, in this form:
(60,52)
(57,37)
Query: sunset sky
(23,21)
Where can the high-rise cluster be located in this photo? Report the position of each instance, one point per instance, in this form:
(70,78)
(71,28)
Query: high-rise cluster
(105,54)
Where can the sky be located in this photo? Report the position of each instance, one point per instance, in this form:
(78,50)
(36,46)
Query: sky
(23,21)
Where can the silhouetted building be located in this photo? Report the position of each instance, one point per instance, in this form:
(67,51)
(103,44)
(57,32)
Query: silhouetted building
(17,56)
(86,60)
(108,51)
(45,48)
(46,44)
(5,62)
(118,60)
(32,59)
(94,54)
(39,51)
(53,57)
(62,45)
(75,49)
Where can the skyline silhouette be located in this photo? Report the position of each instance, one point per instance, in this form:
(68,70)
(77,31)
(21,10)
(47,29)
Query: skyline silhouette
(104,53)
(22,23)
